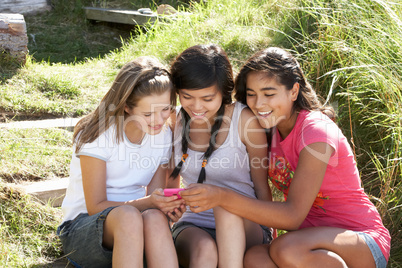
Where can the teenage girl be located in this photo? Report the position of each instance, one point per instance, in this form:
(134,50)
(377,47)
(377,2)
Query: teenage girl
(114,203)
(217,142)
(330,219)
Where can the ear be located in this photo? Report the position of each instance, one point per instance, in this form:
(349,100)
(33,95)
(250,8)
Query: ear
(294,92)
(126,108)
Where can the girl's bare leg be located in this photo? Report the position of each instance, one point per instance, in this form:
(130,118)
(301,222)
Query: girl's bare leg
(123,232)
(159,247)
(196,249)
(321,247)
(230,238)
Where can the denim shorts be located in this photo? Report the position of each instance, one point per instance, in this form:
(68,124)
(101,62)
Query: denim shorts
(180,226)
(82,240)
(379,258)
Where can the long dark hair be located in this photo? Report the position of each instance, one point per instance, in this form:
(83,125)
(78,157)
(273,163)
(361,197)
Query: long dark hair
(138,78)
(199,67)
(280,64)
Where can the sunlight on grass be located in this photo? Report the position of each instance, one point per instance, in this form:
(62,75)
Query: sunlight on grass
(33,154)
(27,230)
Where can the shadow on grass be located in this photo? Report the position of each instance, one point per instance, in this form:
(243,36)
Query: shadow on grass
(70,42)
(8,66)
(61,262)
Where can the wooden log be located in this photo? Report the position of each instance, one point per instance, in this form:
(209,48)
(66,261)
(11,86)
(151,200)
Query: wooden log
(131,17)
(13,36)
(23,6)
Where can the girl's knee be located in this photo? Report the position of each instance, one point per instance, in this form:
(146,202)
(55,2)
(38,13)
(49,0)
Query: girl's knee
(286,249)
(205,251)
(121,223)
(154,218)
(153,214)
(256,257)
(126,217)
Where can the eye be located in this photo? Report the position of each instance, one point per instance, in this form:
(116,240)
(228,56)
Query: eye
(166,108)
(268,95)
(208,100)
(250,95)
(186,97)
(147,115)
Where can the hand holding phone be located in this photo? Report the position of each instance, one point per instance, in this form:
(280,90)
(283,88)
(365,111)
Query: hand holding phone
(173,191)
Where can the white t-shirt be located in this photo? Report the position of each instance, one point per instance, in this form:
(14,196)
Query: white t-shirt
(129,168)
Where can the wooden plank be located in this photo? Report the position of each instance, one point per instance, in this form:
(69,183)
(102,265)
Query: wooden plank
(67,123)
(23,6)
(131,17)
(48,191)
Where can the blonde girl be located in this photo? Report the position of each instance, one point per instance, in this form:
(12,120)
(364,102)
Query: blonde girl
(114,208)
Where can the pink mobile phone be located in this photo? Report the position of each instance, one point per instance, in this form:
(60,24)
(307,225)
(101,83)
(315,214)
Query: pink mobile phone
(173,191)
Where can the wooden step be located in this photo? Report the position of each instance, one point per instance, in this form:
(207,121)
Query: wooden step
(67,123)
(133,17)
(49,191)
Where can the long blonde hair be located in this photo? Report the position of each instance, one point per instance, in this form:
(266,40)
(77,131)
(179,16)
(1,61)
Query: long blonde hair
(138,78)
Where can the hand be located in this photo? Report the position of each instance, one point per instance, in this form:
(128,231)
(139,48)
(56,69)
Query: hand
(201,197)
(165,203)
(177,213)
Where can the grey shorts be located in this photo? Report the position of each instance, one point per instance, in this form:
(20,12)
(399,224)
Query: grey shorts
(180,226)
(379,258)
(82,240)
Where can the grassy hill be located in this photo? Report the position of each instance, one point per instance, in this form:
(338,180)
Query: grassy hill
(350,51)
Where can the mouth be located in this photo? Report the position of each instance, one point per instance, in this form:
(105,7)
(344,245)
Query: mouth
(264,114)
(198,114)
(156,127)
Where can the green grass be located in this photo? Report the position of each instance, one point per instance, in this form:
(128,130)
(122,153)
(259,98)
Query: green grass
(27,230)
(353,47)
(350,50)
(43,89)
(34,154)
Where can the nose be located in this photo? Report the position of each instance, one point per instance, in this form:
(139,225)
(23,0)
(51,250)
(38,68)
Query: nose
(197,105)
(158,118)
(259,102)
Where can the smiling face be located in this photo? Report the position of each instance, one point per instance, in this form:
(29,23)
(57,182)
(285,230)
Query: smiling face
(202,104)
(150,113)
(271,102)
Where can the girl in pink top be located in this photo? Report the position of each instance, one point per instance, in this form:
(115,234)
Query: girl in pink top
(332,222)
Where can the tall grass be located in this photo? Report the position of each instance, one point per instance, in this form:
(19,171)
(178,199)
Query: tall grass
(351,51)
(224,22)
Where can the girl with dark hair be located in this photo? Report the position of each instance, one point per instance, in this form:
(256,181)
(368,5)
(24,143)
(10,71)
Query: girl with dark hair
(220,143)
(330,219)
(114,205)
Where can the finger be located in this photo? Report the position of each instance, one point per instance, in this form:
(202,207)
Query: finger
(190,200)
(195,209)
(171,198)
(173,217)
(192,185)
(168,199)
(172,205)
(158,191)
(183,208)
(193,189)
(178,213)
